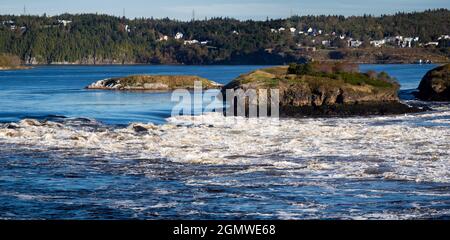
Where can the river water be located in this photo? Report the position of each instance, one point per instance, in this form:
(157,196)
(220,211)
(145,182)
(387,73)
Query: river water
(71,153)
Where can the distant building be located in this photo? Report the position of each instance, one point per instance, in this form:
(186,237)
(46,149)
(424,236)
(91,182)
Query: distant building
(64,22)
(189,42)
(127,28)
(235,32)
(281,29)
(354,43)
(164,38)
(435,44)
(378,43)
(179,36)
(292,30)
(407,42)
(326,43)
(444,37)
(9,22)
(395,40)
(204,42)
(310,30)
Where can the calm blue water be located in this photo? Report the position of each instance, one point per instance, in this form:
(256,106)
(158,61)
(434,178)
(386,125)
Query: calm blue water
(58,90)
(77,168)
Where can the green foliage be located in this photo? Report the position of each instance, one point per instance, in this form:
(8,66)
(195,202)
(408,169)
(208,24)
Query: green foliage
(7,60)
(342,71)
(92,38)
(300,69)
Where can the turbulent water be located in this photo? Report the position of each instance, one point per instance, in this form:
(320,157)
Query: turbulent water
(212,167)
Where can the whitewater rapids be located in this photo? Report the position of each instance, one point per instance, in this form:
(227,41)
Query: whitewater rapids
(412,147)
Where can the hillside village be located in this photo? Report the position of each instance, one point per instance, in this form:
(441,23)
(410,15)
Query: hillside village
(317,37)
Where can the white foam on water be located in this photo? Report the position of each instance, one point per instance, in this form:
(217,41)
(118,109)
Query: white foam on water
(413,147)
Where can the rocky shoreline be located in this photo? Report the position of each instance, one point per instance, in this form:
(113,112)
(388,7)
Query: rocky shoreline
(15,68)
(357,56)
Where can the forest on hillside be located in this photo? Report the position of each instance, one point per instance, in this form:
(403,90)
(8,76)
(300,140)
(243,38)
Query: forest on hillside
(100,39)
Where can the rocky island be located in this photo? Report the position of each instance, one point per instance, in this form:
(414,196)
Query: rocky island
(327,89)
(153,83)
(435,85)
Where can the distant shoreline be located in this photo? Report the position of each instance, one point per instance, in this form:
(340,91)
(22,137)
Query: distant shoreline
(181,65)
(355,56)
(25,67)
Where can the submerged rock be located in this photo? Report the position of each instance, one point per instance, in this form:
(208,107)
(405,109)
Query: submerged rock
(153,82)
(140,129)
(326,89)
(435,85)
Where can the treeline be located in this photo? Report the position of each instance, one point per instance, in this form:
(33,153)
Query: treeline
(92,38)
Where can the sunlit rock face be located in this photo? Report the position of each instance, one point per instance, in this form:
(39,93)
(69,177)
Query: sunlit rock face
(326,89)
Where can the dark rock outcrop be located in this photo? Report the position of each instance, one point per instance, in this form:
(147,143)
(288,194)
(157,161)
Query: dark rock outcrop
(435,85)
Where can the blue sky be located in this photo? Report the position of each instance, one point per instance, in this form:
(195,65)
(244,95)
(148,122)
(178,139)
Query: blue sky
(242,9)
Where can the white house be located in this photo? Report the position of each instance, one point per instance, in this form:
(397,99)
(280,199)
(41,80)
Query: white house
(273,30)
(204,42)
(407,41)
(432,44)
(179,36)
(235,32)
(127,28)
(444,37)
(310,30)
(189,42)
(64,22)
(292,30)
(9,22)
(397,40)
(377,43)
(326,43)
(354,43)
(164,38)
(281,29)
